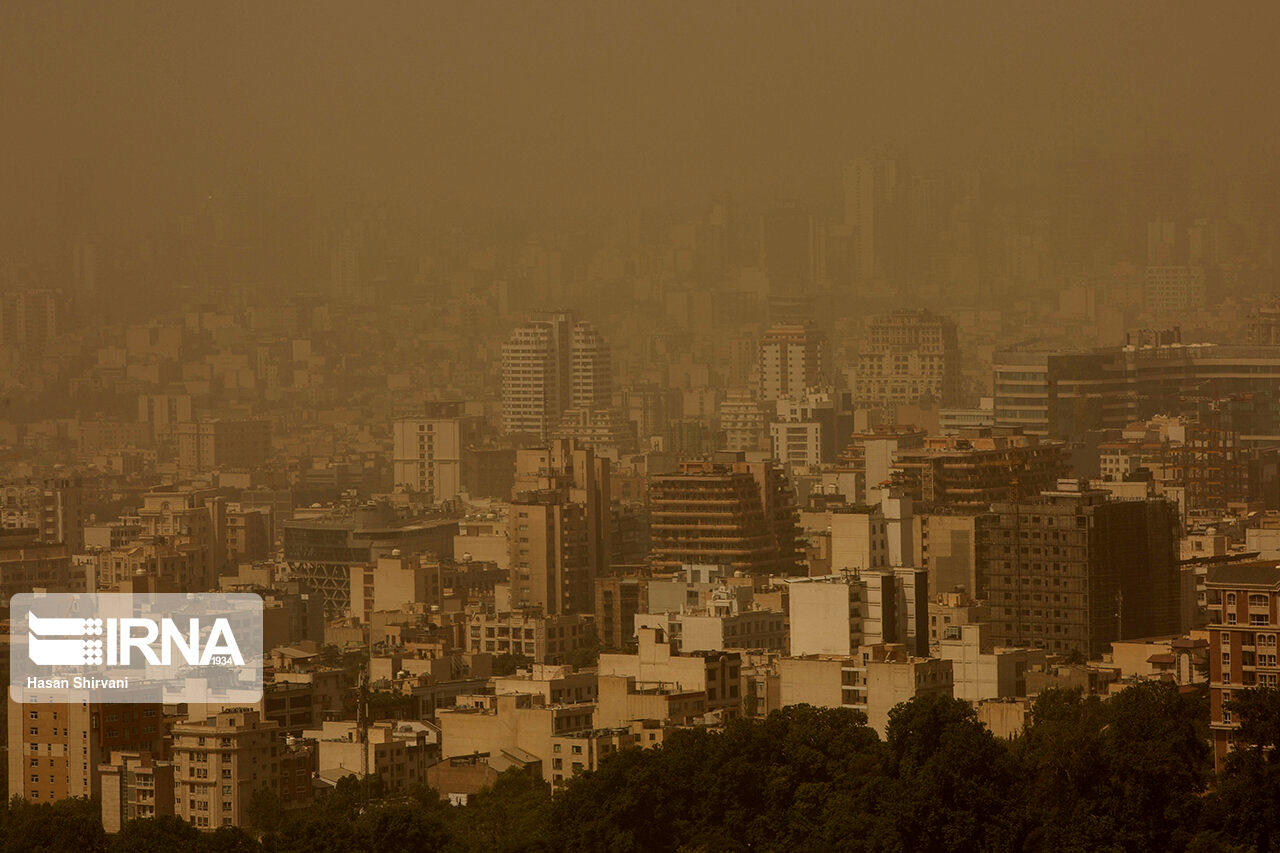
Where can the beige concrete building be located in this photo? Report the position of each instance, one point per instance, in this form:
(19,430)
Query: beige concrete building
(947,609)
(527,632)
(797,444)
(207,445)
(174,568)
(792,359)
(428,451)
(558,685)
(717,674)
(744,419)
(51,506)
(1182,660)
(835,614)
(392,583)
(27,564)
(550,567)
(135,786)
(56,750)
(908,357)
(691,587)
(398,752)
(623,702)
(723,623)
(858,535)
(463,776)
(873,680)
(221,761)
(946,545)
(980,670)
(561,737)
(187,516)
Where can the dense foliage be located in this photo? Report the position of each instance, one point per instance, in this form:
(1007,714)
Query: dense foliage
(1133,772)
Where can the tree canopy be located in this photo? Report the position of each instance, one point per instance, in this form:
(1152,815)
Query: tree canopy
(1129,772)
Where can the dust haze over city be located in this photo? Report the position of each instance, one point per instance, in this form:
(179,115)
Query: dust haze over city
(648,426)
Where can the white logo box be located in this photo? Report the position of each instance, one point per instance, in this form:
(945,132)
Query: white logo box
(169,648)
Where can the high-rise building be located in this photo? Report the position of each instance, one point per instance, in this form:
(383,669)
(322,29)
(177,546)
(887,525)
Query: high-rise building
(551,364)
(834,614)
(549,564)
(727,512)
(52,507)
(1066,394)
(1242,600)
(871,209)
(1075,571)
(221,761)
(56,749)
(592,369)
(793,359)
(188,517)
(429,451)
(946,545)
(28,318)
(163,412)
(744,420)
(908,357)
(535,376)
(1172,291)
(810,428)
(618,600)
(560,527)
(347,281)
(205,445)
(971,470)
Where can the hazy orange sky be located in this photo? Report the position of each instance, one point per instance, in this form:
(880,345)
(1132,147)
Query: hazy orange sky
(555,103)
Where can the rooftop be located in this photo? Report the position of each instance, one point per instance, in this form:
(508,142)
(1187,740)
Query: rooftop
(1263,573)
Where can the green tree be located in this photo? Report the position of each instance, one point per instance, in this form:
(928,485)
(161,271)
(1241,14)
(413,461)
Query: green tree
(401,828)
(513,815)
(263,810)
(1245,809)
(950,781)
(156,835)
(802,773)
(67,826)
(228,839)
(1123,773)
